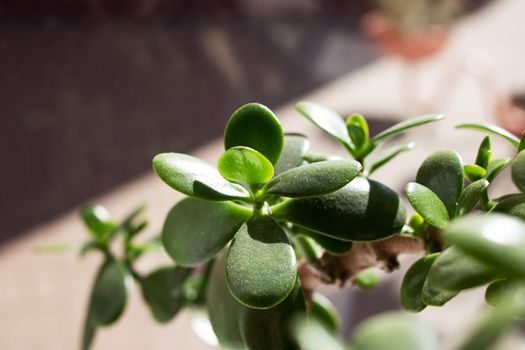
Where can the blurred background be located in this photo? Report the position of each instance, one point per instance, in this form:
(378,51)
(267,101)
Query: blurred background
(90,90)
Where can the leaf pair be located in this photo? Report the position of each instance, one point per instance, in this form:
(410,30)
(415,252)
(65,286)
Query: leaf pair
(354,134)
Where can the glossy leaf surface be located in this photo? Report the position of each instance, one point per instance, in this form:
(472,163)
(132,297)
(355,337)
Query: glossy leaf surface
(498,240)
(261,266)
(357,129)
(162,291)
(196,230)
(470,196)
(491,129)
(254,125)
(313,179)
(474,172)
(195,178)
(413,281)
(406,125)
(245,166)
(427,204)
(518,171)
(484,153)
(295,148)
(98,221)
(363,210)
(388,155)
(442,172)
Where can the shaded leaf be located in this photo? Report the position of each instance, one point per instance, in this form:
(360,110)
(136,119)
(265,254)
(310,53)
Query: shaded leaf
(313,179)
(491,129)
(427,204)
(442,173)
(406,125)
(254,125)
(363,210)
(388,155)
(512,205)
(312,334)
(261,266)
(470,196)
(413,281)
(195,178)
(295,148)
(507,293)
(245,166)
(325,312)
(332,245)
(433,296)
(518,171)
(196,230)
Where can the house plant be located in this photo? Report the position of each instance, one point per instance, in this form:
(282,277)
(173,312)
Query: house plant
(255,237)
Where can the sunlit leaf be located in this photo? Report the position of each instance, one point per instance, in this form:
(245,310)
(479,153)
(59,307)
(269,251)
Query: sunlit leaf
(427,204)
(491,129)
(245,166)
(406,125)
(357,129)
(474,172)
(470,196)
(98,221)
(484,153)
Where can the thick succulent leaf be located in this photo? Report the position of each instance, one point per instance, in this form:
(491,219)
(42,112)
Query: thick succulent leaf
(427,204)
(245,166)
(325,119)
(269,328)
(491,129)
(363,210)
(496,239)
(307,248)
(312,157)
(436,297)
(254,125)
(357,129)
(313,179)
(223,309)
(162,291)
(98,221)
(295,148)
(404,126)
(507,293)
(109,294)
(474,172)
(88,333)
(518,171)
(497,166)
(394,331)
(413,281)
(325,312)
(484,153)
(196,230)
(521,147)
(261,267)
(367,278)
(312,334)
(332,245)
(454,270)
(387,156)
(512,205)
(470,196)
(195,178)
(442,172)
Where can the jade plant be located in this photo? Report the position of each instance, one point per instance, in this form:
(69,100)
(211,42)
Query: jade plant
(256,234)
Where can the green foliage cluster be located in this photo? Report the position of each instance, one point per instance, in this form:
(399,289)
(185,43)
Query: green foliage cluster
(271,206)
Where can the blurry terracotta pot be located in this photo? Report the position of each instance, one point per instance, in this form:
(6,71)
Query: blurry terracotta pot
(510,113)
(410,45)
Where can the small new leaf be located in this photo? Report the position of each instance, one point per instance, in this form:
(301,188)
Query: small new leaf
(245,166)
(470,196)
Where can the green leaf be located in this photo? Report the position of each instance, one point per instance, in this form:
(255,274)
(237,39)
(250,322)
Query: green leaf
(312,157)
(326,119)
(427,204)
(254,125)
(470,196)
(367,278)
(436,297)
(495,167)
(363,210)
(261,266)
(295,148)
(518,171)
(98,221)
(59,248)
(484,153)
(442,173)
(522,142)
(495,239)
(269,328)
(312,334)
(491,129)
(313,179)
(413,281)
(454,270)
(196,230)
(223,309)
(394,331)
(507,293)
(404,126)
(109,294)
(195,178)
(357,129)
(325,312)
(332,245)
(307,248)
(245,166)
(488,331)
(387,156)
(88,333)
(162,291)
(512,205)
(474,172)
